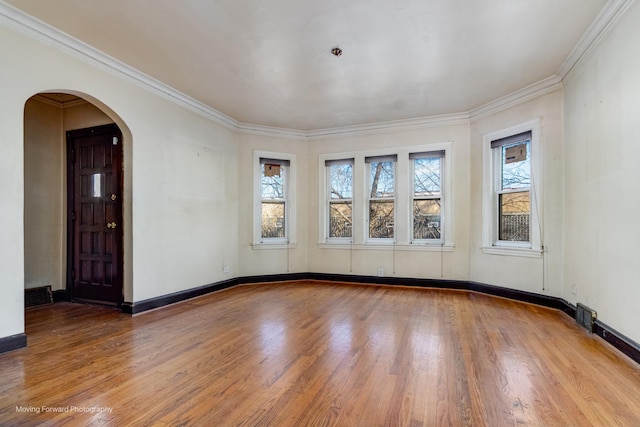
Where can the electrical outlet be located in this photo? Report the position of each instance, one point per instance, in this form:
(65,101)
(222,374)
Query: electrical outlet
(574,289)
(380,272)
(226,269)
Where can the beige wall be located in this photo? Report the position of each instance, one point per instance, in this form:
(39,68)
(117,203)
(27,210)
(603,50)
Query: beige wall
(180,179)
(602,178)
(43,196)
(542,274)
(261,260)
(403,261)
(307,255)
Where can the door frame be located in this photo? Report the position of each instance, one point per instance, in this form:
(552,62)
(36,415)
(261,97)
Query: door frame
(119,234)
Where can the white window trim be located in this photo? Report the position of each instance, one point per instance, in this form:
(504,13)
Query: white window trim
(386,246)
(404,186)
(289,241)
(446,199)
(367,193)
(412,199)
(490,243)
(327,202)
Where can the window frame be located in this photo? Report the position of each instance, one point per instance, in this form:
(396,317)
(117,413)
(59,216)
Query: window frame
(289,187)
(329,200)
(492,187)
(403,212)
(413,156)
(369,160)
(500,191)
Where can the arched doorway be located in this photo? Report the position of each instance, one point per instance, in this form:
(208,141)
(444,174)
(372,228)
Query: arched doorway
(54,202)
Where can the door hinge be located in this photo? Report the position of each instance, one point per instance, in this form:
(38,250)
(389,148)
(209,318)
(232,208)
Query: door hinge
(73,155)
(73,215)
(73,273)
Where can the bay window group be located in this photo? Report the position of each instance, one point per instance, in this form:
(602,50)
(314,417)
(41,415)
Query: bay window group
(395,198)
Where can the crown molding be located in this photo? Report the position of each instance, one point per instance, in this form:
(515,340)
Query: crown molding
(605,20)
(47,101)
(75,103)
(527,93)
(251,129)
(363,129)
(57,104)
(393,125)
(44,32)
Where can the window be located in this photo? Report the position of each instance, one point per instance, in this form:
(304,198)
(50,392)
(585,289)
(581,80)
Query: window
(340,195)
(513,186)
(426,204)
(274,198)
(374,199)
(512,181)
(274,211)
(381,196)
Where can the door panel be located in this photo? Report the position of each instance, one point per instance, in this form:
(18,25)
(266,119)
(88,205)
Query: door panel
(95,177)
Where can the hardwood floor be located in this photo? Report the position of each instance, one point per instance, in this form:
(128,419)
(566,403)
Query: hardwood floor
(317,354)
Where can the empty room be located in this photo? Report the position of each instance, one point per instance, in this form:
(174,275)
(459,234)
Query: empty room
(339,213)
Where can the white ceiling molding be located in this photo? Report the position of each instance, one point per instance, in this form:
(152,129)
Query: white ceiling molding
(395,125)
(607,17)
(59,104)
(535,90)
(52,36)
(249,128)
(76,103)
(39,30)
(47,101)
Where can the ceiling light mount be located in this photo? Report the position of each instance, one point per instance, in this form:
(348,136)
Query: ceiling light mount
(336,51)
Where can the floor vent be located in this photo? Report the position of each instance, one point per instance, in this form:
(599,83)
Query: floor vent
(586,317)
(38,296)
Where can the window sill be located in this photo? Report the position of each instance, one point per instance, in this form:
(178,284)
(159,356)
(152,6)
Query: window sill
(273,245)
(512,251)
(421,247)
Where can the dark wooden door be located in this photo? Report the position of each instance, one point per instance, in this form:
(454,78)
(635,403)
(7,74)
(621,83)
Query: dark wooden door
(95,215)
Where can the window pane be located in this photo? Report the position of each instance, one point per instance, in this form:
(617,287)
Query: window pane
(381,219)
(340,219)
(341,181)
(97,185)
(272,185)
(426,176)
(382,182)
(273,219)
(516,166)
(515,210)
(426,219)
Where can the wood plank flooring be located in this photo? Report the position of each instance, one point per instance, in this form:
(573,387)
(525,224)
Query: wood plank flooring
(317,354)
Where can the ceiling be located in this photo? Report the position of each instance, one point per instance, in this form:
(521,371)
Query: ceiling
(269,63)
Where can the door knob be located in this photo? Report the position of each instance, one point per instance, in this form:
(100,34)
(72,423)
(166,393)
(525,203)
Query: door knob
(111,225)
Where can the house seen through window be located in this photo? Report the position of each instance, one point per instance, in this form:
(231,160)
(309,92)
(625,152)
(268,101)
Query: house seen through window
(513,189)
